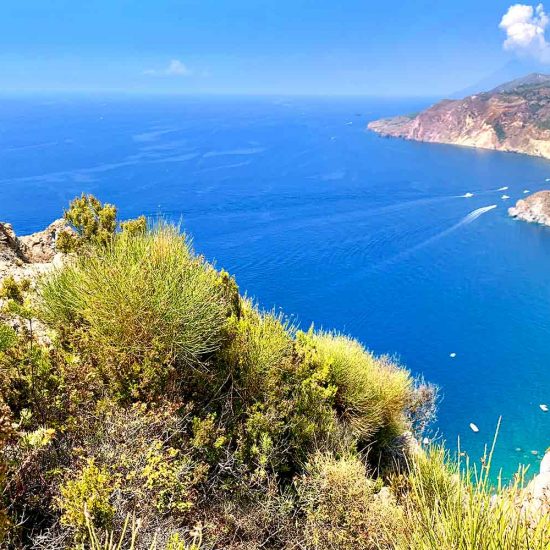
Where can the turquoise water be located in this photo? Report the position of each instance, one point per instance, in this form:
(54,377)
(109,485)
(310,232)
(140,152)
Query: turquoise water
(331,223)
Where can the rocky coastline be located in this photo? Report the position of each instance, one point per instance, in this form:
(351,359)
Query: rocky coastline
(513,118)
(534,209)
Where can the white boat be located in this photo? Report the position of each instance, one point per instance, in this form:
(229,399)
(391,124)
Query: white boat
(452,355)
(504,197)
(473,427)
(468,195)
(543,407)
(505,188)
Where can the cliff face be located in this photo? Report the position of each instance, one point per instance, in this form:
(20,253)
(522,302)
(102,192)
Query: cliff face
(514,117)
(535,208)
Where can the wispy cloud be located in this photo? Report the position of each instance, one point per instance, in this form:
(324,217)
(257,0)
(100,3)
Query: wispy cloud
(175,68)
(525,28)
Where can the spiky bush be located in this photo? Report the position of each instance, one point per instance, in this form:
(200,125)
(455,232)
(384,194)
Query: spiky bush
(141,305)
(372,393)
(93,223)
(280,394)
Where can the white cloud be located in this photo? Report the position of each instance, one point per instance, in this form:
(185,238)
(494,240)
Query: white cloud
(525,31)
(174,68)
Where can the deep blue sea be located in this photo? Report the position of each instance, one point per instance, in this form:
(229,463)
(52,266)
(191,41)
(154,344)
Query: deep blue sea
(336,226)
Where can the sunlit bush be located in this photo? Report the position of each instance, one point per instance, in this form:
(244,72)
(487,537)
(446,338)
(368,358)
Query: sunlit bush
(372,393)
(344,508)
(141,306)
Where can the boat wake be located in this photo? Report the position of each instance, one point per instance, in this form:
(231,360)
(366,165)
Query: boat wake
(469,218)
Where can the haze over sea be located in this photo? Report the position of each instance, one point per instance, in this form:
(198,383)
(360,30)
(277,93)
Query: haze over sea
(332,224)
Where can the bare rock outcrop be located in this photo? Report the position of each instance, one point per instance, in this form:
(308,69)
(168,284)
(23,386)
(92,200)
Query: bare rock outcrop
(537,492)
(534,209)
(30,255)
(40,247)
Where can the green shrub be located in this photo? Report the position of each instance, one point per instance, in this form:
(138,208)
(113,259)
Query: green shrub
(14,290)
(87,495)
(93,222)
(454,505)
(144,304)
(8,337)
(283,392)
(138,226)
(372,393)
(343,507)
(261,345)
(136,462)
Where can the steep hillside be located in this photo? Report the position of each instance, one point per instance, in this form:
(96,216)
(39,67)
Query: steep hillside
(513,117)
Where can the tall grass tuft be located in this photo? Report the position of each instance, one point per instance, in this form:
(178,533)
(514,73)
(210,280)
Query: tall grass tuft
(372,393)
(129,539)
(142,299)
(454,505)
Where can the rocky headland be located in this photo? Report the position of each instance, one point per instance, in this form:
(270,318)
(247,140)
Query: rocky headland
(534,209)
(513,117)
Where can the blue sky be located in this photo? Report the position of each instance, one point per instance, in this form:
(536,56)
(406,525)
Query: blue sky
(405,48)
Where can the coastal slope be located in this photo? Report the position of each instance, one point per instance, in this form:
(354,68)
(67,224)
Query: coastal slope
(514,117)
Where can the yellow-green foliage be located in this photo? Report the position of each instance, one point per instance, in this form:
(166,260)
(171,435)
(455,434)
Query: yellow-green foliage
(147,459)
(8,337)
(169,476)
(14,290)
(87,494)
(343,506)
(371,394)
(134,227)
(262,345)
(94,223)
(166,397)
(450,506)
(285,392)
(145,303)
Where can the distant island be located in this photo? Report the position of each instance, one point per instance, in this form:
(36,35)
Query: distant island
(513,117)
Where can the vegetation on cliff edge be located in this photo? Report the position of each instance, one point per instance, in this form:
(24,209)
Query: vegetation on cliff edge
(163,410)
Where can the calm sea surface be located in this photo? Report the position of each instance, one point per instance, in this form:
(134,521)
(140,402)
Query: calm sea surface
(332,224)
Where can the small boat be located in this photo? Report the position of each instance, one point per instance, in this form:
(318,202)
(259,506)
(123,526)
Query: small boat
(505,188)
(543,407)
(504,197)
(452,355)
(473,427)
(468,195)
(525,191)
